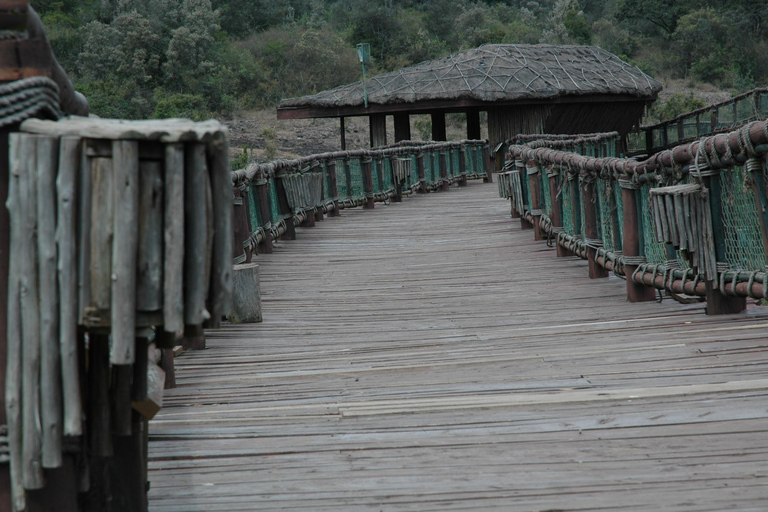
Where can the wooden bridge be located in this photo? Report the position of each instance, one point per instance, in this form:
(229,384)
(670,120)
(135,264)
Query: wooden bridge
(431,355)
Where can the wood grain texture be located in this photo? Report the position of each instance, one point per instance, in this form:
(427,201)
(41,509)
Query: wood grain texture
(432,356)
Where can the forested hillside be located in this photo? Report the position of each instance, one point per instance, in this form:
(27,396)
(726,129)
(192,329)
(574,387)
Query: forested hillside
(198,58)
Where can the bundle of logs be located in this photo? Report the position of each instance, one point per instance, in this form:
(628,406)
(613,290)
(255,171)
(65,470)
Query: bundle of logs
(120,235)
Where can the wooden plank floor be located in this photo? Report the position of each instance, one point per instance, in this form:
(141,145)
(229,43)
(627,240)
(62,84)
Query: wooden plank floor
(430,355)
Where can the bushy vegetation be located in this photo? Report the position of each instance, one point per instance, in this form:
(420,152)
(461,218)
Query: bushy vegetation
(197,58)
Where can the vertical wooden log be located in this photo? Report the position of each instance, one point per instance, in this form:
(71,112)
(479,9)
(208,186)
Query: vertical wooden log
(316,168)
(534,175)
(50,357)
(30,318)
(166,363)
(420,172)
(262,193)
(717,303)
(398,197)
(462,166)
(438,126)
(378,129)
(631,226)
(84,211)
(125,157)
(149,279)
(473,124)
(102,229)
(524,185)
(444,185)
(241,230)
(173,239)
(120,399)
(402,126)
(334,191)
(139,380)
(488,165)
(285,209)
(590,226)
(195,234)
(99,421)
(14,358)
(342,134)
(755,167)
(368,184)
(220,286)
(69,157)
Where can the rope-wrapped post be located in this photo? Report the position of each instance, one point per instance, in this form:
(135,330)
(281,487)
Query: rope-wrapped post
(632,259)
(334,191)
(462,165)
(444,183)
(488,168)
(524,185)
(590,226)
(534,175)
(285,209)
(555,216)
(420,172)
(368,183)
(262,195)
(717,302)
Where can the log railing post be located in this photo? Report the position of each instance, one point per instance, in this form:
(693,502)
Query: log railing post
(317,168)
(368,183)
(555,215)
(632,258)
(444,183)
(398,197)
(242,229)
(590,226)
(524,186)
(488,168)
(262,194)
(462,166)
(717,303)
(285,210)
(533,175)
(420,172)
(334,188)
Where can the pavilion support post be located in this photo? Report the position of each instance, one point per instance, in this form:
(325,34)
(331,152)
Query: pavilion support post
(717,303)
(402,126)
(534,185)
(262,194)
(420,172)
(473,124)
(631,228)
(444,183)
(378,129)
(285,210)
(438,126)
(555,216)
(368,184)
(524,186)
(462,167)
(334,191)
(343,134)
(488,164)
(590,226)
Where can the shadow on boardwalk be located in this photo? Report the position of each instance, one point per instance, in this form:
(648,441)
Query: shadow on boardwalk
(429,355)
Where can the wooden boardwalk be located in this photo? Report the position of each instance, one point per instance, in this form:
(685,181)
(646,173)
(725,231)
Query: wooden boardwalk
(431,356)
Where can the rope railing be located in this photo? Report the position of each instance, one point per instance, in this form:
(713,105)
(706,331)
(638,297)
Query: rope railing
(277,197)
(716,118)
(689,220)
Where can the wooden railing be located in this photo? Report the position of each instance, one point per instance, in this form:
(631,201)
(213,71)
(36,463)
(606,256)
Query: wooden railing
(272,199)
(690,220)
(717,118)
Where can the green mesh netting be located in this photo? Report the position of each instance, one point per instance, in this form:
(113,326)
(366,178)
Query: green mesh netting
(254,212)
(274,207)
(568,224)
(526,185)
(376,175)
(582,217)
(605,212)
(654,252)
(414,177)
(341,180)
(428,168)
(357,190)
(545,193)
(455,167)
(762,104)
(386,173)
(741,222)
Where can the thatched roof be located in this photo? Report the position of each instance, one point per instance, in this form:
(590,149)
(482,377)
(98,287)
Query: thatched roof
(496,73)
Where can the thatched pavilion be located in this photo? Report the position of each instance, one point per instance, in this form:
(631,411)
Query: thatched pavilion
(524,89)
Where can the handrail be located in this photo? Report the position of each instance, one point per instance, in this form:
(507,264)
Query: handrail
(691,219)
(716,118)
(277,197)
